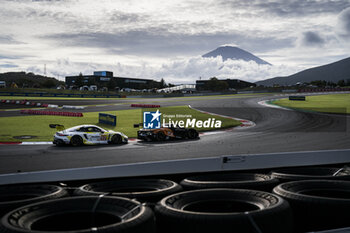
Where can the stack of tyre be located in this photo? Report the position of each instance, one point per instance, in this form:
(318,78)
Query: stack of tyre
(286,201)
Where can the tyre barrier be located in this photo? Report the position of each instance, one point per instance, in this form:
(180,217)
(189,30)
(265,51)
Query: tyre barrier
(54,113)
(318,204)
(145,106)
(81,214)
(224,211)
(311,173)
(230,180)
(144,190)
(24,102)
(12,197)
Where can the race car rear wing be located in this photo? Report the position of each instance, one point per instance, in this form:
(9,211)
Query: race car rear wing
(57,126)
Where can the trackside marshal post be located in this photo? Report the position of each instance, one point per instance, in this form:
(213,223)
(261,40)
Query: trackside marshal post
(107,119)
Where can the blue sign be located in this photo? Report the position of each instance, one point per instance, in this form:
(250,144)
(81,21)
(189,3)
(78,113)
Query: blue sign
(107,119)
(151,120)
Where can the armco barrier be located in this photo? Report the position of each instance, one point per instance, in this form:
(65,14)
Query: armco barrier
(324,89)
(52,113)
(145,106)
(25,102)
(40,94)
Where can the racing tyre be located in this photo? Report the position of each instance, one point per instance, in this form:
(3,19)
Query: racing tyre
(12,197)
(76,141)
(160,136)
(192,134)
(81,214)
(224,211)
(230,180)
(317,204)
(116,139)
(144,190)
(311,173)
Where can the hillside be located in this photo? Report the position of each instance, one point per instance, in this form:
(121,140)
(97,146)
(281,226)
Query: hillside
(235,53)
(23,79)
(332,72)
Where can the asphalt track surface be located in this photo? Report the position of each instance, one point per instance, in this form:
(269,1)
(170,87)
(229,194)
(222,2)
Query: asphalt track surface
(276,130)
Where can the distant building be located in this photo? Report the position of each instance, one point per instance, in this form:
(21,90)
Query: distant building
(106,79)
(201,85)
(2,84)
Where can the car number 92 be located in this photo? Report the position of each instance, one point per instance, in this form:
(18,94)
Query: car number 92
(103,137)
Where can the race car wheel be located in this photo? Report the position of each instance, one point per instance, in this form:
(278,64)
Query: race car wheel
(224,211)
(76,141)
(116,139)
(160,136)
(192,134)
(81,214)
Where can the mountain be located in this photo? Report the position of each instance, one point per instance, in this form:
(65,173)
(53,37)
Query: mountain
(23,79)
(234,53)
(333,72)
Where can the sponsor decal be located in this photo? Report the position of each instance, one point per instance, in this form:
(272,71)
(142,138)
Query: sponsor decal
(152,120)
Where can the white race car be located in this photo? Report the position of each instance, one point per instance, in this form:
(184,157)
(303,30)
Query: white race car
(87,135)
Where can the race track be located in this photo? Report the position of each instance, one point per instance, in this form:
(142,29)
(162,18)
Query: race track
(276,130)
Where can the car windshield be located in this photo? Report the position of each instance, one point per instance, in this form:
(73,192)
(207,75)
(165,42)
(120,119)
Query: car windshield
(98,90)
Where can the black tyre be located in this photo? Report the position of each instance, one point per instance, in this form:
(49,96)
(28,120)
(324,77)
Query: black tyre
(318,204)
(224,211)
(144,190)
(116,139)
(76,141)
(12,197)
(160,136)
(192,134)
(81,214)
(230,180)
(311,173)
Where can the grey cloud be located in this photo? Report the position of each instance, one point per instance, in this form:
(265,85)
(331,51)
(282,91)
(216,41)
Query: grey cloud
(312,39)
(6,39)
(8,65)
(119,16)
(343,26)
(160,42)
(290,7)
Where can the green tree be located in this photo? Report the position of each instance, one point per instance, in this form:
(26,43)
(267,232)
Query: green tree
(162,83)
(341,83)
(49,83)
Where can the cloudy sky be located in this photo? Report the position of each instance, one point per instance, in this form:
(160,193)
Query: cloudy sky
(165,39)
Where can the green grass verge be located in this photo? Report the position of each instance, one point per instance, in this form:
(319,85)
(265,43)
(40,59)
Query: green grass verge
(338,103)
(39,125)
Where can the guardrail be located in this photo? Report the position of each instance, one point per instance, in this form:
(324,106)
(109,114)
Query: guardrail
(145,105)
(39,94)
(195,165)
